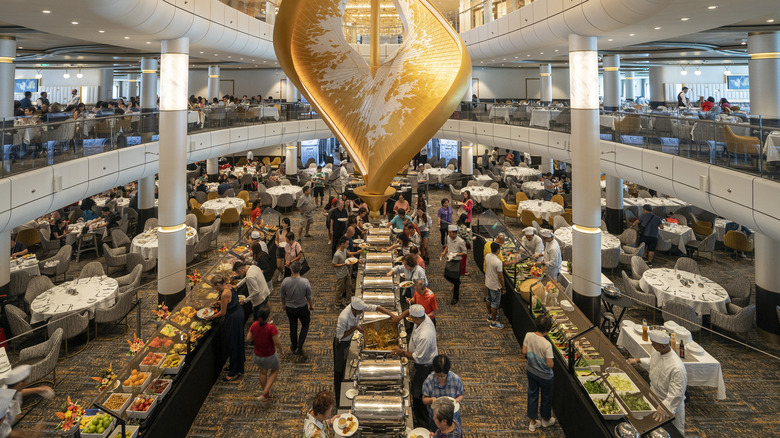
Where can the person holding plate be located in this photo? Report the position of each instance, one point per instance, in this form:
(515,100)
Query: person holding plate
(319,420)
(342,268)
(411,272)
(422,349)
(230,308)
(442,383)
(455,249)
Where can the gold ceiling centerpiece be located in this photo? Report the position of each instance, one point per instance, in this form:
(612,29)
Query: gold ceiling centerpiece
(382,114)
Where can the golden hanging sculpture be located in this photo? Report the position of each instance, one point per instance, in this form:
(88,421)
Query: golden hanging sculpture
(382,114)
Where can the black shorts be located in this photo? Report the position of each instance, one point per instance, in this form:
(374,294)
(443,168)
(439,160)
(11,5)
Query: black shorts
(650,242)
(319,192)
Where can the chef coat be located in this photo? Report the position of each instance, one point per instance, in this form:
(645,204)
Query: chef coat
(422,345)
(347,320)
(552,258)
(669,380)
(533,246)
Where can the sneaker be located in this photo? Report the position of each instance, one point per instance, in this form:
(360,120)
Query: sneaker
(497,325)
(490,321)
(307,235)
(533,426)
(548,423)
(453,302)
(493,325)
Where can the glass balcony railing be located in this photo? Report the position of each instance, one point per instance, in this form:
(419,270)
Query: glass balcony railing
(481,12)
(260,9)
(30,143)
(735,141)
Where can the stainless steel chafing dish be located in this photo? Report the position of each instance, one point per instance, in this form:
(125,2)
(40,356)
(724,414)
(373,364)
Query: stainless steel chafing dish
(379,373)
(380,334)
(379,231)
(380,240)
(382,297)
(379,410)
(381,257)
(381,268)
(378,282)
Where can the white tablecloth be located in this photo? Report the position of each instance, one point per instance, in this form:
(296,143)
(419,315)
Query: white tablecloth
(213,186)
(278,190)
(504,112)
(542,117)
(544,209)
(608,120)
(522,173)
(484,179)
(720,228)
(436,175)
(309,172)
(664,284)
(608,241)
(704,371)
(146,242)
(239,171)
(534,189)
(677,234)
(673,203)
(93,292)
(266,111)
(219,205)
(479,194)
(28,265)
(772,146)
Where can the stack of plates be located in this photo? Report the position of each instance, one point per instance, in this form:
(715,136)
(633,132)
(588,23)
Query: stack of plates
(694,348)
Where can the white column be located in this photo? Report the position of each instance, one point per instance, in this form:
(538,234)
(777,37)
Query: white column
(132,88)
(546,165)
(630,92)
(611,82)
(213,82)
(545,84)
(764,69)
(212,169)
(467,158)
(586,196)
(767,253)
(469,91)
(487,11)
(106,92)
(270,12)
(146,193)
(613,215)
(292,93)
(7,72)
(291,159)
(171,275)
(657,96)
(148,85)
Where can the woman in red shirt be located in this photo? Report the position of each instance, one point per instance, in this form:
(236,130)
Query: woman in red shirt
(708,104)
(267,350)
(256,212)
(468,206)
(424,297)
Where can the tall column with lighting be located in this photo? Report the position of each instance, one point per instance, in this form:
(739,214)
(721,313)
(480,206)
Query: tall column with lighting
(767,253)
(630,92)
(487,11)
(657,93)
(212,169)
(613,215)
(545,84)
(172,266)
(149,121)
(611,82)
(213,82)
(467,158)
(106,91)
(291,159)
(764,69)
(7,71)
(132,88)
(586,196)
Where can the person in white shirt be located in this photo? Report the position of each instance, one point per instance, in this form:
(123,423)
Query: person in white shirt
(455,248)
(668,379)
(250,156)
(253,285)
(318,420)
(411,271)
(551,254)
(494,282)
(347,324)
(531,244)
(422,349)
(74,97)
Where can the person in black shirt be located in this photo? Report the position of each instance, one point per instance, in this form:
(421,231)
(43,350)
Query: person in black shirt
(648,224)
(17,249)
(338,224)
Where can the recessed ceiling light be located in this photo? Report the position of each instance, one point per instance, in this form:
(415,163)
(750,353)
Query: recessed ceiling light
(201,53)
(657,28)
(102,31)
(20,47)
(631,34)
(148,42)
(528,55)
(541,53)
(516,57)
(216,54)
(610,39)
(229,57)
(74,22)
(771,20)
(743,43)
(684,19)
(127,38)
(556,50)
(46,11)
(504,59)
(712,7)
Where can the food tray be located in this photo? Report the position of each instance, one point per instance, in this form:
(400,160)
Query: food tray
(135,389)
(142,415)
(131,430)
(99,435)
(622,376)
(584,379)
(164,391)
(147,368)
(175,370)
(617,416)
(640,413)
(124,406)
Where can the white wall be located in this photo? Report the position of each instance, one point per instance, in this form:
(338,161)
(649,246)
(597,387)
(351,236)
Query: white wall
(251,82)
(58,88)
(508,82)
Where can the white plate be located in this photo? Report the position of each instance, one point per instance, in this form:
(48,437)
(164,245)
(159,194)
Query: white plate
(342,219)
(205,312)
(457,405)
(638,328)
(357,241)
(351,393)
(351,260)
(420,432)
(242,298)
(670,325)
(339,430)
(406,284)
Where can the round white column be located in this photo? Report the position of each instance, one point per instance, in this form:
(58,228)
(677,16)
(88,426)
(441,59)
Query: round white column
(132,88)
(7,72)
(291,159)
(545,84)
(212,169)
(630,91)
(106,91)
(767,253)
(213,82)
(172,266)
(487,11)
(546,165)
(613,215)
(764,69)
(657,96)
(270,12)
(149,123)
(611,82)
(586,195)
(467,158)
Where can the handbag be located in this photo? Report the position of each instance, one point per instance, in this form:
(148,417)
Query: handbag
(305,265)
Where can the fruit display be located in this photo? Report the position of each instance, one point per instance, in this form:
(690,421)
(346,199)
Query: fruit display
(141,406)
(136,379)
(200,326)
(96,425)
(636,402)
(178,349)
(159,342)
(106,378)
(159,386)
(130,432)
(152,359)
(169,331)
(171,361)
(188,311)
(116,402)
(180,319)
(594,387)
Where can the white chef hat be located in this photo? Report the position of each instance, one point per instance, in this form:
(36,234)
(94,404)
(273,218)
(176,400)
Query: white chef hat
(255,235)
(358,304)
(6,395)
(417,310)
(529,231)
(17,374)
(659,337)
(452,228)
(546,233)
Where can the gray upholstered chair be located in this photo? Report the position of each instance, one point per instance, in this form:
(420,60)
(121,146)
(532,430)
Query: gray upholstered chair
(680,219)
(189,253)
(120,240)
(215,233)
(71,325)
(627,253)
(663,245)
(737,320)
(285,201)
(683,315)
(46,354)
(266,200)
(638,267)
(610,259)
(18,321)
(58,264)
(37,285)
(17,286)
(201,197)
(688,265)
(603,227)
(130,281)
(204,244)
(641,299)
(116,313)
(191,221)
(705,245)
(627,237)
(134,259)
(115,258)
(48,245)
(150,223)
(739,290)
(492,203)
(559,222)
(92,269)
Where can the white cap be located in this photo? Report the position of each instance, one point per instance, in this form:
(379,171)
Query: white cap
(452,228)
(358,304)
(18,374)
(417,310)
(546,233)
(659,337)
(529,231)
(6,395)
(255,234)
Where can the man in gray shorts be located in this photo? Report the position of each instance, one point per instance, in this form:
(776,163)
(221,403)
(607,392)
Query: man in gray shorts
(494,281)
(306,207)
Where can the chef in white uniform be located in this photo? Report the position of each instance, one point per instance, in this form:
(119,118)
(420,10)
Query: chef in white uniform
(668,378)
(6,397)
(531,243)
(422,349)
(16,381)
(551,254)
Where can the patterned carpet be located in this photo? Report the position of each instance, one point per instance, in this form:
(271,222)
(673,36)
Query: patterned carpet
(489,361)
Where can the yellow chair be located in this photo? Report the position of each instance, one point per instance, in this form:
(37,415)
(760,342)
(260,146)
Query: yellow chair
(213,195)
(266,161)
(737,241)
(241,162)
(230,217)
(566,215)
(204,218)
(243,194)
(510,210)
(276,162)
(520,197)
(246,212)
(628,125)
(703,228)
(558,199)
(739,144)
(194,204)
(29,237)
(527,218)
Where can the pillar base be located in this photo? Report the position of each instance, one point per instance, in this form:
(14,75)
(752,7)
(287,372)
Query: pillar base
(213,178)
(5,289)
(590,306)
(611,108)
(171,300)
(766,314)
(614,220)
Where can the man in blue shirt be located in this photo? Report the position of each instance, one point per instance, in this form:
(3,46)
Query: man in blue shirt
(649,224)
(26,102)
(441,383)
(399,219)
(222,188)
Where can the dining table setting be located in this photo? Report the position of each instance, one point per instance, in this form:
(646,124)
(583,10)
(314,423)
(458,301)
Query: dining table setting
(146,243)
(700,293)
(219,205)
(677,234)
(81,294)
(544,209)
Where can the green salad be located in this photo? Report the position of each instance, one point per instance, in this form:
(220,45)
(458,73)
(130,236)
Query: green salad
(636,402)
(620,383)
(594,387)
(607,407)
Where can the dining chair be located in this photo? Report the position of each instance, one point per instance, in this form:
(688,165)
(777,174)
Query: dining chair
(736,319)
(737,241)
(683,315)
(37,285)
(58,264)
(638,267)
(151,223)
(213,195)
(43,359)
(71,325)
(116,313)
(92,269)
(739,290)
(688,265)
(204,218)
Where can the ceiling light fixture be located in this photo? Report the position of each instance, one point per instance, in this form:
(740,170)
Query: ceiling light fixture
(657,28)
(684,19)
(101,31)
(148,42)
(79,75)
(683,72)
(697,72)
(556,50)
(46,11)
(38,75)
(771,20)
(631,34)
(66,75)
(712,7)
(610,39)
(127,38)
(74,22)
(727,71)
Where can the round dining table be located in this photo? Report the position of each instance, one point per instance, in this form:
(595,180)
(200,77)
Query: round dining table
(146,243)
(701,293)
(219,205)
(436,175)
(277,191)
(544,209)
(79,295)
(480,194)
(608,241)
(534,189)
(522,173)
(309,172)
